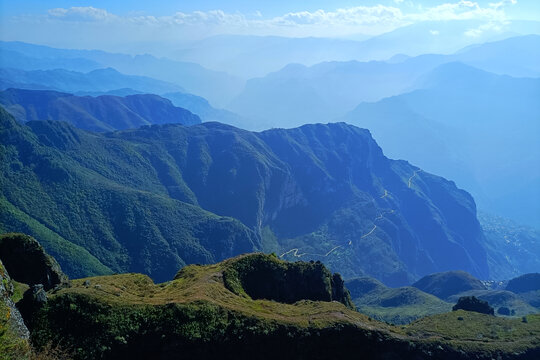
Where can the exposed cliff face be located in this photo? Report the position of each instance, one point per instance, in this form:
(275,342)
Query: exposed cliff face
(139,200)
(262,276)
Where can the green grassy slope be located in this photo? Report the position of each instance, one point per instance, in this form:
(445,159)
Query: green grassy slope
(198,316)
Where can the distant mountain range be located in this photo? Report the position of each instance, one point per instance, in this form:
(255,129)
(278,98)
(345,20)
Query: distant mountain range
(218,87)
(111,82)
(256,56)
(102,113)
(100,80)
(145,200)
(455,122)
(298,94)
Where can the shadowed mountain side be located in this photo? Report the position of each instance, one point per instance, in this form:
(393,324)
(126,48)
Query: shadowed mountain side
(102,113)
(524,283)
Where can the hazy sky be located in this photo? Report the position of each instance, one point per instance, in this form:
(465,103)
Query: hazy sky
(106,24)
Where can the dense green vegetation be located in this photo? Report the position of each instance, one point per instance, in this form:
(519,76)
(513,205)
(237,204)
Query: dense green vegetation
(146,200)
(125,227)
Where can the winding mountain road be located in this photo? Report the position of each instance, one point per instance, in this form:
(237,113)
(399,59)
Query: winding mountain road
(296,251)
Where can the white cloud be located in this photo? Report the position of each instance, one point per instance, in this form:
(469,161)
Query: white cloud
(88,13)
(370,20)
(212,17)
(462,10)
(502,3)
(434,32)
(354,16)
(359,15)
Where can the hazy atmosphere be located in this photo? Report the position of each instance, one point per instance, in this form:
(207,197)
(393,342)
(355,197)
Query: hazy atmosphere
(242,179)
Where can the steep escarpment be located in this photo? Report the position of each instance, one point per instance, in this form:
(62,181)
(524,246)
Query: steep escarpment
(156,198)
(102,113)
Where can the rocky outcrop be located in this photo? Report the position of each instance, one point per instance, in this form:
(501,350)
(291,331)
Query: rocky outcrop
(472,303)
(27,262)
(262,276)
(14,335)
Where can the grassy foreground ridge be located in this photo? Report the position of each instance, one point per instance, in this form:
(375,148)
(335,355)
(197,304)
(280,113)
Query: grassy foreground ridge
(212,311)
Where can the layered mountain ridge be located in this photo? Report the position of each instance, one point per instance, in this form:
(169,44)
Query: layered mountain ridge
(102,113)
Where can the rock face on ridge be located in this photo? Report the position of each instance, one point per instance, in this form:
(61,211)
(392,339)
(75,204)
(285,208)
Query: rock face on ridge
(27,262)
(14,335)
(265,277)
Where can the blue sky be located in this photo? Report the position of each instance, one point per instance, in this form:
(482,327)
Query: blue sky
(108,23)
(524,9)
